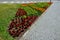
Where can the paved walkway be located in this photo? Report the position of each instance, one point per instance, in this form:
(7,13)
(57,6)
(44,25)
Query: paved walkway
(27,0)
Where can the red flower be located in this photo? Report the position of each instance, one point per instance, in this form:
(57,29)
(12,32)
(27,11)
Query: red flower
(29,17)
(21,12)
(17,25)
(12,24)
